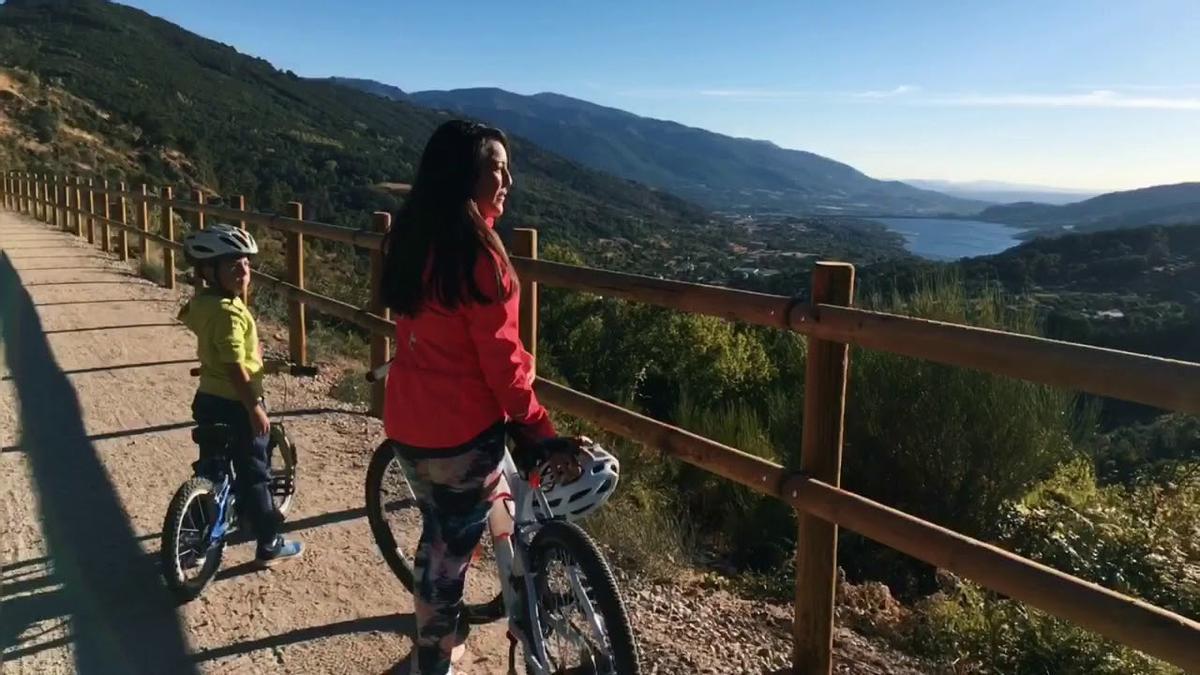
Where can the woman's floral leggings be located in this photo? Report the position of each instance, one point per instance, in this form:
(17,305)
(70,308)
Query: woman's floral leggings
(452,488)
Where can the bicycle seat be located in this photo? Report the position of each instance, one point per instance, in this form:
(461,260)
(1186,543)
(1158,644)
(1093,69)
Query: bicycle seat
(211,435)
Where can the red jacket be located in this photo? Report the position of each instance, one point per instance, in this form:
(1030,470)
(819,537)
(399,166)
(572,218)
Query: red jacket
(456,373)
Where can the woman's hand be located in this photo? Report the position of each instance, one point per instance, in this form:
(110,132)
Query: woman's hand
(564,462)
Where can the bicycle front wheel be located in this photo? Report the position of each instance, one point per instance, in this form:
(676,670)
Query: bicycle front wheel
(188,558)
(581,620)
(396,522)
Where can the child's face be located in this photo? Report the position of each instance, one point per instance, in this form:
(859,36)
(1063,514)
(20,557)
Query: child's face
(233,275)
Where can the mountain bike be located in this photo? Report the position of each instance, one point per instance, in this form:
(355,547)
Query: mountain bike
(537,569)
(202,515)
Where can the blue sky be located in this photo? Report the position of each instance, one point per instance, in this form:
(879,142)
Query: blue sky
(1091,94)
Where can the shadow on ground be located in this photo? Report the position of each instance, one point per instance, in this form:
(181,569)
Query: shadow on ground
(122,619)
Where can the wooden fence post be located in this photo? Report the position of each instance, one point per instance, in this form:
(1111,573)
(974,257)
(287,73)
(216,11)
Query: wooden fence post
(63,200)
(123,219)
(105,230)
(78,207)
(67,195)
(821,458)
(66,204)
(525,244)
(198,197)
(37,197)
(91,207)
(294,254)
(168,231)
(43,198)
(239,203)
(52,209)
(381,345)
(143,216)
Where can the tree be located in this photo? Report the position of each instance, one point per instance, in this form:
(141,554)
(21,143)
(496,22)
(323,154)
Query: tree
(44,122)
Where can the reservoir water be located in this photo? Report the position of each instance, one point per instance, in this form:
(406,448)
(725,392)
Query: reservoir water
(945,239)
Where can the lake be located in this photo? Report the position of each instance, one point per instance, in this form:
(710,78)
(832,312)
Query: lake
(945,239)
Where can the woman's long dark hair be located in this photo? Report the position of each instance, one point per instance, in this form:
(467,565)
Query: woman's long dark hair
(434,243)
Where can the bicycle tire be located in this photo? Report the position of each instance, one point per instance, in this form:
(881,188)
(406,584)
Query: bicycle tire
(283,476)
(183,588)
(381,531)
(604,595)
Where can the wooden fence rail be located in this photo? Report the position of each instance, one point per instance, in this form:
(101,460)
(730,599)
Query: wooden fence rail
(829,322)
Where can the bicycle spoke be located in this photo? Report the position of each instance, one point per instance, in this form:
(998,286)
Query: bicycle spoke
(575,635)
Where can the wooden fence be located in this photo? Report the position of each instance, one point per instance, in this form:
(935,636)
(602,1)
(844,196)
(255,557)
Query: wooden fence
(830,324)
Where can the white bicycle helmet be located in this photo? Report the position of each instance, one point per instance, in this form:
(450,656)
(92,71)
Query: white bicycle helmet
(218,240)
(594,486)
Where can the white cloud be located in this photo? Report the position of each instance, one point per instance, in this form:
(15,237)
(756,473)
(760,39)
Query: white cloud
(774,94)
(1099,98)
(753,93)
(888,93)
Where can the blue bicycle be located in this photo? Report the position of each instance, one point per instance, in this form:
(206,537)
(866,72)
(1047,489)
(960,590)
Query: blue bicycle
(203,514)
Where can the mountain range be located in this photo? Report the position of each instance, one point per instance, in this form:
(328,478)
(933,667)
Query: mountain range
(722,173)
(1158,205)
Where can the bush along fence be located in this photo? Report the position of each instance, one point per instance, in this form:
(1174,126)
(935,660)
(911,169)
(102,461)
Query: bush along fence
(98,211)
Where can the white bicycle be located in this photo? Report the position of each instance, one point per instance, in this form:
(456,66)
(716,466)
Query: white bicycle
(538,570)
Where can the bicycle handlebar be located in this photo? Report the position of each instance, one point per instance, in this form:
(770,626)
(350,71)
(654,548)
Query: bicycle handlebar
(276,367)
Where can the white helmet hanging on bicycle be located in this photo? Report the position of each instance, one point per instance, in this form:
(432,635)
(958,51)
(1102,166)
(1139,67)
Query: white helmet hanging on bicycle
(596,483)
(217,241)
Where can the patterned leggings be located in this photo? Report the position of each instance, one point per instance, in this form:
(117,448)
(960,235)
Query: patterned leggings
(451,487)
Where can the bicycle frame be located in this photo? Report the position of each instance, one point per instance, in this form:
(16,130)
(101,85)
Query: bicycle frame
(512,518)
(225,500)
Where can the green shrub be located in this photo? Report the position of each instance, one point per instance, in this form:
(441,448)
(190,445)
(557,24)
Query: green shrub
(947,444)
(1138,539)
(972,631)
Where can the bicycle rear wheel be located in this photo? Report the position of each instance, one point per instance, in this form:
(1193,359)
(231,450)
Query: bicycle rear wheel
(396,522)
(581,620)
(188,559)
(283,469)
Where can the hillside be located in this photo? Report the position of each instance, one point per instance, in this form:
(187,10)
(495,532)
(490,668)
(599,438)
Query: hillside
(726,174)
(1161,204)
(1136,289)
(177,107)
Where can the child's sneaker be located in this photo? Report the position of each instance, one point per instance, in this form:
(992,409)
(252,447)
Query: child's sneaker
(282,551)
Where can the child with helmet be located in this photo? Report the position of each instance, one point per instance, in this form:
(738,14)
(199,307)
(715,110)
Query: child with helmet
(231,375)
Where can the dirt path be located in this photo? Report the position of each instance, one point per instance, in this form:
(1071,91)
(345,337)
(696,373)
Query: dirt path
(94,431)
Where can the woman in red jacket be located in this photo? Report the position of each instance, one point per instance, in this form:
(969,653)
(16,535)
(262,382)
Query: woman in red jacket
(460,377)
